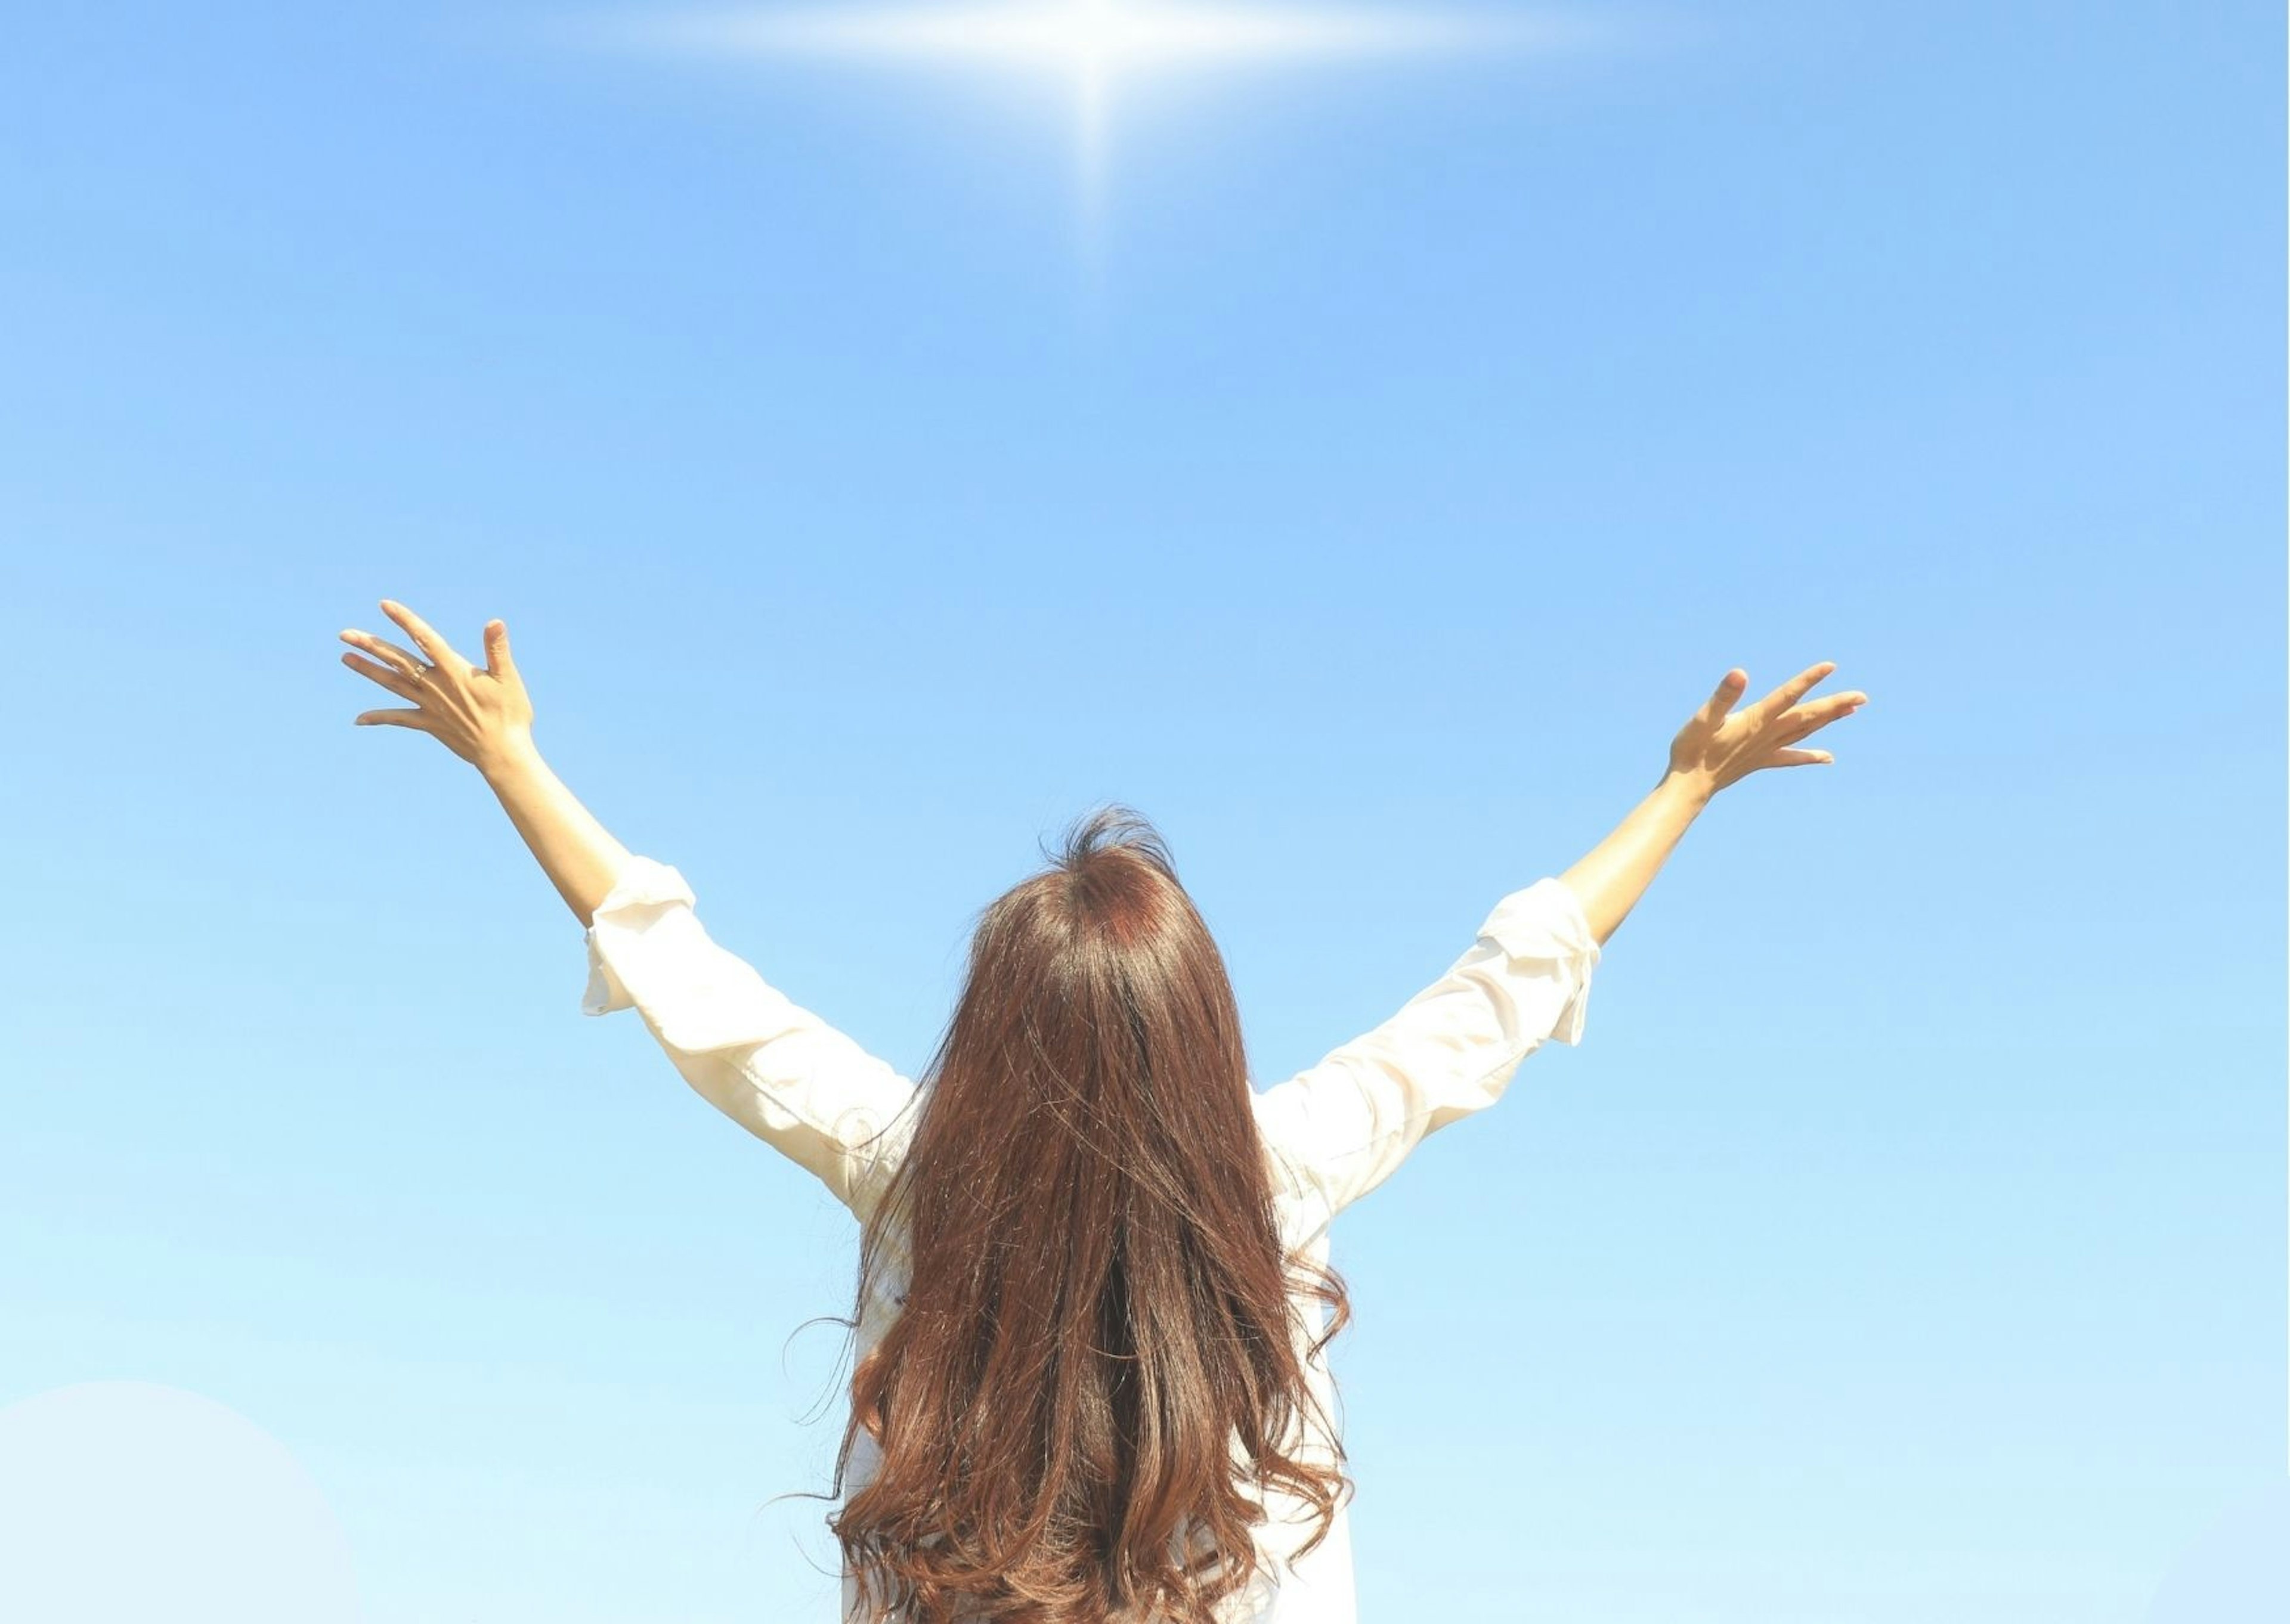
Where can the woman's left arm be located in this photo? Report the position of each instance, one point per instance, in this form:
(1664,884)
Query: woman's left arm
(772,1066)
(484,716)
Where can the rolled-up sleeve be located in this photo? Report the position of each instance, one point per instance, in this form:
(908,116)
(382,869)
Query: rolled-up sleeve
(1344,1125)
(772,1066)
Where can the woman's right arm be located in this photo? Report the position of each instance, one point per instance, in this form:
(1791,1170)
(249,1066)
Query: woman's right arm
(1611,877)
(1717,747)
(1347,1123)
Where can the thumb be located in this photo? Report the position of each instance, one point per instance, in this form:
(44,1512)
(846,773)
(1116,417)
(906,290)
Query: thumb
(1721,703)
(497,659)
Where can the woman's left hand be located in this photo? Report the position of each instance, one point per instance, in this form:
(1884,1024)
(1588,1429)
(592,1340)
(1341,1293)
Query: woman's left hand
(481,715)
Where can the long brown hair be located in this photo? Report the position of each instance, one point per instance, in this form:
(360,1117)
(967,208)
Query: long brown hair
(1093,1376)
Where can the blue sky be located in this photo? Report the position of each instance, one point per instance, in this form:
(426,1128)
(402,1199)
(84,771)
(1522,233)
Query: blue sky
(1365,484)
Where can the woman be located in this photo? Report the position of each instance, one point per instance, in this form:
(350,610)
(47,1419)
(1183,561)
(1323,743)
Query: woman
(1093,1289)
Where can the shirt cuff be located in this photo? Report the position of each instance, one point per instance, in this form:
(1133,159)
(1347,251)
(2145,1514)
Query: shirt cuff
(644,889)
(1544,931)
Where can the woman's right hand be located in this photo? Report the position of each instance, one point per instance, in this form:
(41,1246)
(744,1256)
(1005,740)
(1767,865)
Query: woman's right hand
(1720,745)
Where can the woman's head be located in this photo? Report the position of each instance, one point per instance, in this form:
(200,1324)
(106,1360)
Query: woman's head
(1096,1359)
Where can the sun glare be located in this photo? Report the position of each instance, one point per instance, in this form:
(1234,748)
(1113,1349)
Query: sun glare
(1095,43)
(1078,34)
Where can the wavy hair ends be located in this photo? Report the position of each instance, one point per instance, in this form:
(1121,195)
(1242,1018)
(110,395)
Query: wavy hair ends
(1096,1373)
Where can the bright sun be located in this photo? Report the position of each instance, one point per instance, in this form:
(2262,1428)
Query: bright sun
(1091,42)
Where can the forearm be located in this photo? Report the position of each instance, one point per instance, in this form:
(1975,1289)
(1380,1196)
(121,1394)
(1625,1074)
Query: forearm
(578,854)
(1612,874)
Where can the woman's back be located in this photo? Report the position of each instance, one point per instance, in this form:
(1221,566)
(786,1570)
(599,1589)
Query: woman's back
(1087,1219)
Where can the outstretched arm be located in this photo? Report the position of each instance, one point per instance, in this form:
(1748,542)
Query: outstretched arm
(484,716)
(769,1064)
(1717,747)
(1345,1124)
(578,854)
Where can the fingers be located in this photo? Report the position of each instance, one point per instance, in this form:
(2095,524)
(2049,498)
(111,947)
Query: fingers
(1729,689)
(402,659)
(1788,694)
(1810,718)
(428,641)
(389,677)
(394,719)
(1801,758)
(497,659)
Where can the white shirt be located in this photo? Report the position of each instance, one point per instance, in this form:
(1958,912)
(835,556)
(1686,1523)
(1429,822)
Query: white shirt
(1331,1133)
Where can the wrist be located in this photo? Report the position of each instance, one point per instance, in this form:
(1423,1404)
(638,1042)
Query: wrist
(508,756)
(1687,789)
